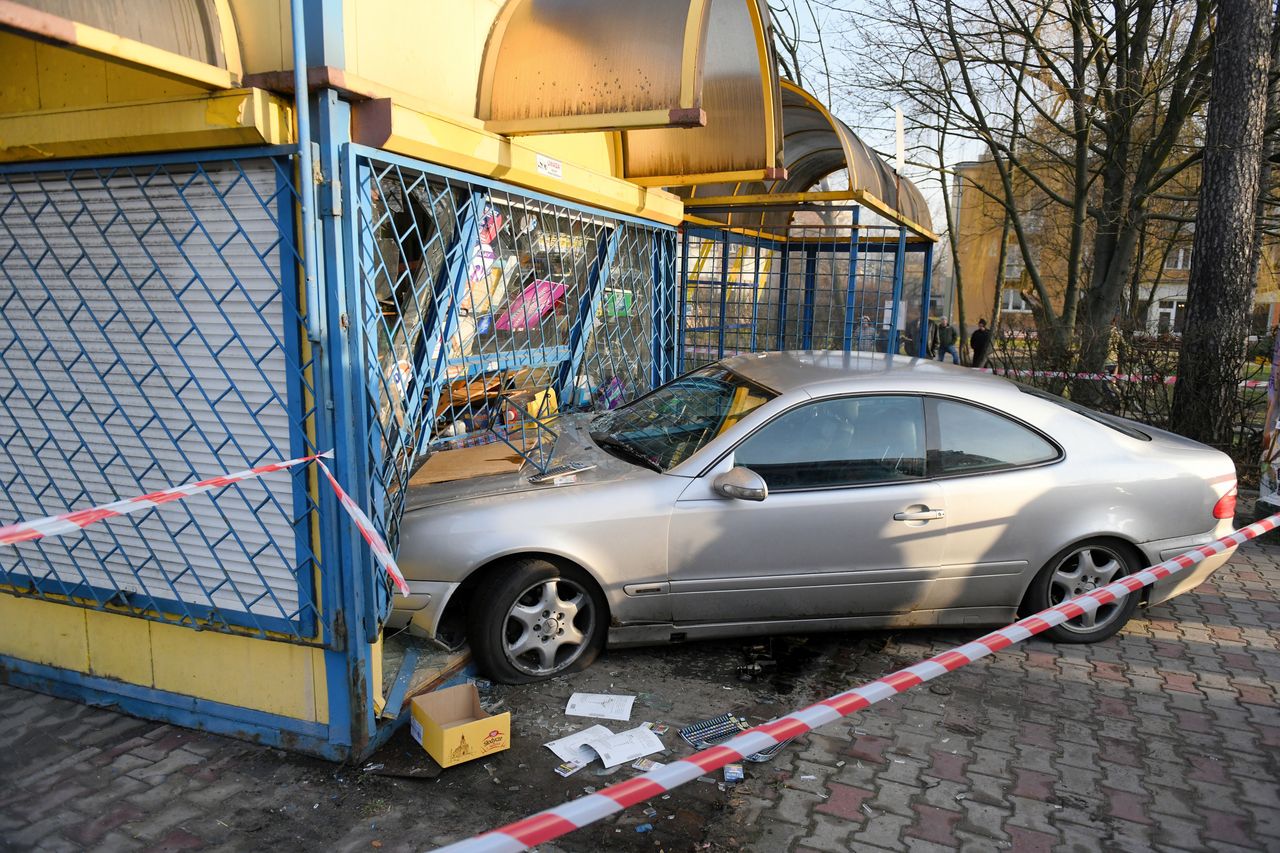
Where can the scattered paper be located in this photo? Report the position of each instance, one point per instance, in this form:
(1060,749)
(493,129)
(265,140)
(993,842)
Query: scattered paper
(572,748)
(605,706)
(646,764)
(581,748)
(627,746)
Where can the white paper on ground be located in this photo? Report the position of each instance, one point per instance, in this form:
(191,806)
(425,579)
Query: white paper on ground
(602,705)
(573,747)
(583,747)
(626,746)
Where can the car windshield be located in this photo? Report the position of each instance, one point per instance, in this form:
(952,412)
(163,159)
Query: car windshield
(667,426)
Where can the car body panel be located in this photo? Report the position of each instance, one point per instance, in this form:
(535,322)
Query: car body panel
(677,560)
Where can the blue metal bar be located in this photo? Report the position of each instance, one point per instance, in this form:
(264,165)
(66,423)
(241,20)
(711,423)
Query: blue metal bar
(660,316)
(588,308)
(899,268)
(755,293)
(724,290)
(157,159)
(925,295)
(306,171)
(401,686)
(682,300)
(851,284)
(810,294)
(782,296)
(444,320)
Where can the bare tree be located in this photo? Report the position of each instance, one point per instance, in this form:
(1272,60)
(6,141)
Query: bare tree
(1224,269)
(1083,108)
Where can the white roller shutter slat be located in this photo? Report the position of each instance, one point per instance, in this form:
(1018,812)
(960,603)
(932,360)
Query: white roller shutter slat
(131,363)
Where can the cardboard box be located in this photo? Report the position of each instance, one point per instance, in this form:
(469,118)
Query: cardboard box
(453,728)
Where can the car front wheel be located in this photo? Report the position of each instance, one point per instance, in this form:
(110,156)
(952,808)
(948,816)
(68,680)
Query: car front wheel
(535,621)
(1078,569)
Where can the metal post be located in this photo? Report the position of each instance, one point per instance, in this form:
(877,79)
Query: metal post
(755,291)
(851,284)
(810,293)
(925,295)
(306,166)
(682,284)
(724,289)
(588,308)
(899,262)
(782,297)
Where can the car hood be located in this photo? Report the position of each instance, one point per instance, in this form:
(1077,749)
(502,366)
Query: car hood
(573,444)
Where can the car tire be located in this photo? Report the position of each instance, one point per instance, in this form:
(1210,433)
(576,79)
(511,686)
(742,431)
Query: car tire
(1079,568)
(523,625)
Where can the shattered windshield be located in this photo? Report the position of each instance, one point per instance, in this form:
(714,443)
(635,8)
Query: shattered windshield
(667,426)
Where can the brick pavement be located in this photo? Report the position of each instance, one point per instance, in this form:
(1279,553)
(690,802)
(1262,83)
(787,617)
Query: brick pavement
(1166,738)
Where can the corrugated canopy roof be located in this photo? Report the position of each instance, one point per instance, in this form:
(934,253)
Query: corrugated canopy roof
(815,145)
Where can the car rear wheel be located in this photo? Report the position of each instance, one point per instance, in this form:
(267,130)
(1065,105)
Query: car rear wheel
(536,621)
(1078,569)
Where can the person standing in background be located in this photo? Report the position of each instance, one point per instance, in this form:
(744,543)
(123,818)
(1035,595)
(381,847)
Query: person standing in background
(944,340)
(980,345)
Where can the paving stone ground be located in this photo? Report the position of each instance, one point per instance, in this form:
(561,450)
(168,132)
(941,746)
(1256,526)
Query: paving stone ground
(1163,738)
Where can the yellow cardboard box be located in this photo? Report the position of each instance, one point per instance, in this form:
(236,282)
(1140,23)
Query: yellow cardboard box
(453,728)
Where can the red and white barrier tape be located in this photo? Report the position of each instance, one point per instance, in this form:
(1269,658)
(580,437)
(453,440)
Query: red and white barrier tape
(381,552)
(73,522)
(566,818)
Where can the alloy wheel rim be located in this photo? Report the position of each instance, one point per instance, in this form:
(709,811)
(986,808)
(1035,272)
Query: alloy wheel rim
(1081,571)
(547,627)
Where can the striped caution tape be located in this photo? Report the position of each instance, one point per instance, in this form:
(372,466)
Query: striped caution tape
(73,522)
(381,552)
(566,818)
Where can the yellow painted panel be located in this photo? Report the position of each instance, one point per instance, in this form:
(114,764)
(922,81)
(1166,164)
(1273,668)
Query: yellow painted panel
(449,143)
(19,82)
(119,647)
(128,85)
(69,79)
(240,117)
(594,151)
(278,678)
(43,632)
(320,685)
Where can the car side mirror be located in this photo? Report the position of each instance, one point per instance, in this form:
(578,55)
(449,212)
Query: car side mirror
(741,484)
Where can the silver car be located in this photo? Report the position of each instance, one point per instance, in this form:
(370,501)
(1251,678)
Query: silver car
(804,491)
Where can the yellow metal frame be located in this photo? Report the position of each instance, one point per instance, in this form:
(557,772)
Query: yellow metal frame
(427,136)
(236,117)
(686,113)
(43,26)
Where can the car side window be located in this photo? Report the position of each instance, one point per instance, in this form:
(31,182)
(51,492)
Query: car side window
(971,440)
(847,441)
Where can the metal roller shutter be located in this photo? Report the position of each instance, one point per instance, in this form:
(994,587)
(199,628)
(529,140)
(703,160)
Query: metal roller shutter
(142,345)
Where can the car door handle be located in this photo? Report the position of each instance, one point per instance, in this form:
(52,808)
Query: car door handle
(920,515)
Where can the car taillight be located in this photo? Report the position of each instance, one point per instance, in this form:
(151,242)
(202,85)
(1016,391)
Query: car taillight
(1226,505)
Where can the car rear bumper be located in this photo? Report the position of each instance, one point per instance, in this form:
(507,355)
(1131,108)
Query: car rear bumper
(1187,579)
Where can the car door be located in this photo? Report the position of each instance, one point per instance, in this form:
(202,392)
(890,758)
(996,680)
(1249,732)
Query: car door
(1004,499)
(850,525)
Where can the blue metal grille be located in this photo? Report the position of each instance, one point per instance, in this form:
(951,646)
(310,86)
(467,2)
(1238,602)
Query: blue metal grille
(150,336)
(486,311)
(812,284)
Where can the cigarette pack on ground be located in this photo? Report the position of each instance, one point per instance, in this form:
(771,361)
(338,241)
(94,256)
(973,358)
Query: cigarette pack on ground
(453,728)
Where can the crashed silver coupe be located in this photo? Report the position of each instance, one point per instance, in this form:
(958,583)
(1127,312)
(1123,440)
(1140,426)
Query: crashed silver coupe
(796,492)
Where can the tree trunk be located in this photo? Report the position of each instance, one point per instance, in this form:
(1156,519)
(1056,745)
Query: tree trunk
(1223,267)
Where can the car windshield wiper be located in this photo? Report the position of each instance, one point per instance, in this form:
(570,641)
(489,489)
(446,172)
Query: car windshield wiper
(621,448)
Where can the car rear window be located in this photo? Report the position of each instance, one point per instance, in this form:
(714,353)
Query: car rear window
(1120,425)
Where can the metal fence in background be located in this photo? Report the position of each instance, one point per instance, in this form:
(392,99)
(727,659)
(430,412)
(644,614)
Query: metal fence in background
(818,283)
(486,310)
(150,335)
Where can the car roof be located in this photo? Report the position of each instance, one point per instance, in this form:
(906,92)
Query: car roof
(787,371)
